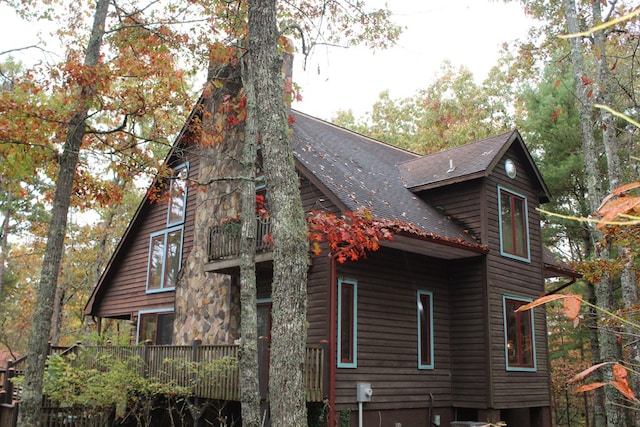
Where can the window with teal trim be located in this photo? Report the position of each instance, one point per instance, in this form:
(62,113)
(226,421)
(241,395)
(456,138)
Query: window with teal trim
(178,195)
(347,323)
(165,254)
(165,246)
(156,326)
(520,351)
(514,225)
(425,330)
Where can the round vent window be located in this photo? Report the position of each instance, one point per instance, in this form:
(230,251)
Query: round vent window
(510,168)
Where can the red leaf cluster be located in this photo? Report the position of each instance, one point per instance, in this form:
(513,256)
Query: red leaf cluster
(349,236)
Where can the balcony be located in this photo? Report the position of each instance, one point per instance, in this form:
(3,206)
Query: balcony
(223,244)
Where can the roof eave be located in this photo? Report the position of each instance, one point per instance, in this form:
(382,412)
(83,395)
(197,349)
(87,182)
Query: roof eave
(446,182)
(88,308)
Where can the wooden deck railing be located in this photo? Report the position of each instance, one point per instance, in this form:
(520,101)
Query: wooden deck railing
(224,239)
(172,364)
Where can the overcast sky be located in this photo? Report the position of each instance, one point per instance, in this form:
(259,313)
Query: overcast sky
(466,32)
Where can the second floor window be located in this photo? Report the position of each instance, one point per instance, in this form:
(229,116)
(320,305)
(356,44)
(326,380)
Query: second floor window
(165,254)
(165,246)
(178,196)
(514,227)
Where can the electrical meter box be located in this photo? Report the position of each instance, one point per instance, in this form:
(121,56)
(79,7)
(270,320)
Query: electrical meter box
(364,392)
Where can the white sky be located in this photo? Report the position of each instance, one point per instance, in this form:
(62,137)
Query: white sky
(466,32)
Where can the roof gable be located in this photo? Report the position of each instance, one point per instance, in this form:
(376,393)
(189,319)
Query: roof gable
(466,162)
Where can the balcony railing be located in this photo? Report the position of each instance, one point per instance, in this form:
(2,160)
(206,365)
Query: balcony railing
(222,382)
(224,239)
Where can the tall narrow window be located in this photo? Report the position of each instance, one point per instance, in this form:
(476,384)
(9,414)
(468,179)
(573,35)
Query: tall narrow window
(519,336)
(156,326)
(165,247)
(264,318)
(165,256)
(425,330)
(178,196)
(347,323)
(514,227)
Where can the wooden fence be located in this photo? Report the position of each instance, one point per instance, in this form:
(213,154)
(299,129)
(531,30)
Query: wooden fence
(170,364)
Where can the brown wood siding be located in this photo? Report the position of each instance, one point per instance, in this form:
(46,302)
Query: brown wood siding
(512,389)
(388,282)
(318,286)
(126,293)
(461,202)
(469,350)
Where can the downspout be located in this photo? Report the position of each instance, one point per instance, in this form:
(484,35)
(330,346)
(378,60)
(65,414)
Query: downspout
(333,330)
(561,287)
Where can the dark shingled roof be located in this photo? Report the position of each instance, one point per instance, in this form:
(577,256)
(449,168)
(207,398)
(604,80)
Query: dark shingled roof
(363,172)
(461,163)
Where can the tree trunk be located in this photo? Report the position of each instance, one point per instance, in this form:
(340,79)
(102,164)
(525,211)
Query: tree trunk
(56,317)
(249,378)
(611,143)
(30,407)
(289,289)
(594,189)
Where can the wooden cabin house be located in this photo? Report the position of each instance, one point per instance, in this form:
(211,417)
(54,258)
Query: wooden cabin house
(426,323)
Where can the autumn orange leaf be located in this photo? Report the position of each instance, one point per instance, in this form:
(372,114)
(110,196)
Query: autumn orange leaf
(589,387)
(582,375)
(619,190)
(572,307)
(616,207)
(623,387)
(620,372)
(543,300)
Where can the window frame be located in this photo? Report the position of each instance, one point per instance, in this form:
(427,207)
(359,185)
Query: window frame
(175,178)
(166,232)
(421,337)
(156,311)
(266,302)
(351,362)
(525,205)
(519,366)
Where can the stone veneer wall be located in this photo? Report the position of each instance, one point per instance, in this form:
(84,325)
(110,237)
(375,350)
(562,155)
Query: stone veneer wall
(208,304)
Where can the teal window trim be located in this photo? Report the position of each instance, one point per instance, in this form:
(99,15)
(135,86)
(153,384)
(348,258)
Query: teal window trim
(178,182)
(504,251)
(163,237)
(347,324)
(425,329)
(264,329)
(515,340)
(141,313)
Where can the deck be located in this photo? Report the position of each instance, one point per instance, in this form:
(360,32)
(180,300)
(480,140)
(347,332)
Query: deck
(172,364)
(167,363)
